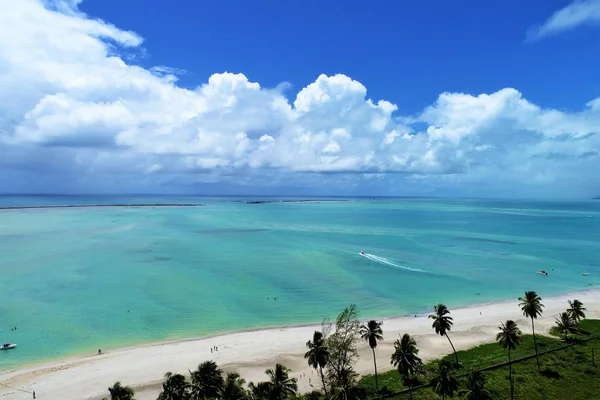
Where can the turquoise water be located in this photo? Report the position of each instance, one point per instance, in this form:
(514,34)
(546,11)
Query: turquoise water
(75,280)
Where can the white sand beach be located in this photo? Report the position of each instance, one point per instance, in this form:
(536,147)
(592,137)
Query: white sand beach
(250,353)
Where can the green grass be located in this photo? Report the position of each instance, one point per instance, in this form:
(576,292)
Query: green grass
(566,374)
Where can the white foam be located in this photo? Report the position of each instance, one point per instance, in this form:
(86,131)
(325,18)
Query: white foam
(385,261)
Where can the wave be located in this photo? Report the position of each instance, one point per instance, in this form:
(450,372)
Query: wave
(382,260)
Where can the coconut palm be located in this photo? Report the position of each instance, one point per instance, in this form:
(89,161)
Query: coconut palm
(207,381)
(406,358)
(174,388)
(281,385)
(442,323)
(260,391)
(509,337)
(233,388)
(531,305)
(119,392)
(318,355)
(475,387)
(347,387)
(566,324)
(444,383)
(576,310)
(371,332)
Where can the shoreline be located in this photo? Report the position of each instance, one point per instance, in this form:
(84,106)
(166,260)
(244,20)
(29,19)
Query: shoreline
(143,366)
(76,354)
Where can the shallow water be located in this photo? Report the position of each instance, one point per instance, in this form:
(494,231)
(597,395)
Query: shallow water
(75,280)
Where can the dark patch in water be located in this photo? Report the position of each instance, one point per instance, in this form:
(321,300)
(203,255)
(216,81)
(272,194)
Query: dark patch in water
(224,231)
(474,239)
(160,259)
(286,201)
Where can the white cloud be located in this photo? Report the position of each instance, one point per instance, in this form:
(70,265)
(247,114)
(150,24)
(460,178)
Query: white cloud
(74,111)
(578,13)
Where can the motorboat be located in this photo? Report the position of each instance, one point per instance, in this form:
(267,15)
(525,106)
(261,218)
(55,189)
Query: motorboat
(362,253)
(542,272)
(585,274)
(8,346)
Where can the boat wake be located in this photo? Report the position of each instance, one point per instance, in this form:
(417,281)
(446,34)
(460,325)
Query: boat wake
(385,261)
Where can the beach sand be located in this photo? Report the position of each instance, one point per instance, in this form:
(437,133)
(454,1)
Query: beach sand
(251,353)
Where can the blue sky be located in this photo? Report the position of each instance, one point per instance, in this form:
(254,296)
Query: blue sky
(401,98)
(407,52)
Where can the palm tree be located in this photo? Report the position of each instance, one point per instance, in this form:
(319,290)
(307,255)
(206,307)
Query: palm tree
(371,332)
(233,389)
(118,392)
(475,387)
(566,324)
(531,305)
(509,337)
(442,323)
(174,388)
(207,381)
(576,310)
(260,391)
(282,386)
(444,383)
(406,358)
(318,355)
(347,388)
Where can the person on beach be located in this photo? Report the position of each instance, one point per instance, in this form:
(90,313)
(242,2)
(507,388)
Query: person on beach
(34,394)
(99,351)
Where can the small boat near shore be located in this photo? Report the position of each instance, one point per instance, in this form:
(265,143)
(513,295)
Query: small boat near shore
(8,346)
(542,272)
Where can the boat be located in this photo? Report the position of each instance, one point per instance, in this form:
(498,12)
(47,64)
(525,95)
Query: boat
(362,253)
(542,272)
(585,274)
(8,346)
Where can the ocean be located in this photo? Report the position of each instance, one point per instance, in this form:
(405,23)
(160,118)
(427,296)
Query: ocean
(78,279)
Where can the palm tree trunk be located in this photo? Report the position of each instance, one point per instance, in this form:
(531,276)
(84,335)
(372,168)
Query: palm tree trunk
(323,380)
(453,349)
(537,357)
(410,392)
(512,393)
(375,364)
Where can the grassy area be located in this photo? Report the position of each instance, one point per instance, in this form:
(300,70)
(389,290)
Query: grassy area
(566,374)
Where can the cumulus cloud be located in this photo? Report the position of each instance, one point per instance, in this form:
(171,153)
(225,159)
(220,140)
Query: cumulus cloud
(576,14)
(75,115)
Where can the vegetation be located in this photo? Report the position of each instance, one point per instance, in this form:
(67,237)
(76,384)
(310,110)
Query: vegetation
(318,356)
(531,305)
(406,357)
(566,372)
(564,367)
(475,387)
(444,383)
(371,332)
(509,338)
(442,324)
(566,325)
(175,387)
(343,353)
(576,310)
(119,392)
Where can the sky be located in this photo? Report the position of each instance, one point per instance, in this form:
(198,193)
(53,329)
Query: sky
(410,98)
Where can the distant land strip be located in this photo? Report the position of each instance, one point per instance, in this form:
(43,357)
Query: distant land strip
(287,201)
(102,205)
